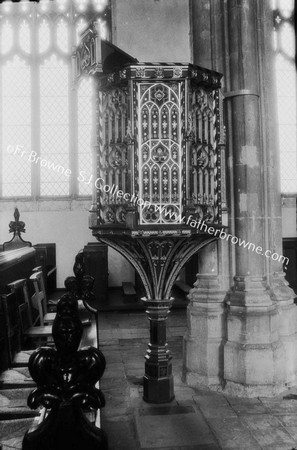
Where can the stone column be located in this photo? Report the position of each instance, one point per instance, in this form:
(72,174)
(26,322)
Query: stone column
(203,342)
(204,339)
(254,356)
(158,378)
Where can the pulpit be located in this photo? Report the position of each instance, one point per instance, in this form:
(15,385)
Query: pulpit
(159,175)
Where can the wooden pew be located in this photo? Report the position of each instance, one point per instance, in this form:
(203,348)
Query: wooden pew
(67,377)
(14,265)
(46,258)
(18,258)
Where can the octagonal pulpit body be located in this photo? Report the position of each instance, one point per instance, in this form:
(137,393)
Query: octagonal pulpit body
(160,142)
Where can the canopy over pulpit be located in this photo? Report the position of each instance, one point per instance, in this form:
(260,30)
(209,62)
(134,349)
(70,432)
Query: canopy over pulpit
(159,177)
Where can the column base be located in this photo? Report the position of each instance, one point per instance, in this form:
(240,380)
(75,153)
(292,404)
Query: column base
(253,370)
(158,390)
(259,355)
(203,363)
(287,310)
(241,390)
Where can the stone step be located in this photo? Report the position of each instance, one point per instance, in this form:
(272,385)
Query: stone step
(16,378)
(13,404)
(21,358)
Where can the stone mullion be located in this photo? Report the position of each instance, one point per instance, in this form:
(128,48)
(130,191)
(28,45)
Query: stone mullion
(1,133)
(270,135)
(35,107)
(279,286)
(73,115)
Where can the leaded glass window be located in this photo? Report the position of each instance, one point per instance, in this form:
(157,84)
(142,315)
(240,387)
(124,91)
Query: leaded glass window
(46,123)
(85,110)
(54,127)
(284,45)
(16,127)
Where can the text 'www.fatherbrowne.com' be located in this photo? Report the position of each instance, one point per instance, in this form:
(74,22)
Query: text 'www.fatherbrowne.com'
(166,211)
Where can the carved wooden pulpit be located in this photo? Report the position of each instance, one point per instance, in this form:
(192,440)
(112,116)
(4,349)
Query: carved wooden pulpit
(159,177)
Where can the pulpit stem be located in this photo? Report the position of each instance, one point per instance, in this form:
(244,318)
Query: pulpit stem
(158,378)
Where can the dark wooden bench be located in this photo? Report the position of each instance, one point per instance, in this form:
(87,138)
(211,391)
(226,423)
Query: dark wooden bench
(67,377)
(46,258)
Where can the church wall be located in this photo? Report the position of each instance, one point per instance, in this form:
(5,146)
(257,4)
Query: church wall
(153,30)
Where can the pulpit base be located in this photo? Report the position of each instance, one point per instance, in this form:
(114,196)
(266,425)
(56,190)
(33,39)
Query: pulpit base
(158,390)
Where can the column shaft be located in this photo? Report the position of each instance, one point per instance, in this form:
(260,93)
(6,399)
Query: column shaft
(203,363)
(254,355)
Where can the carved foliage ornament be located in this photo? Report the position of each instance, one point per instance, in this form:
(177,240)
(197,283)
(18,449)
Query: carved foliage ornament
(17,226)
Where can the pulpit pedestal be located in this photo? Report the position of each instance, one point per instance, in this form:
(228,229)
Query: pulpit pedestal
(158,378)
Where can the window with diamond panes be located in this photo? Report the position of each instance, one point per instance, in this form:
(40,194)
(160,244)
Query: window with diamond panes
(16,128)
(40,110)
(54,128)
(284,44)
(85,109)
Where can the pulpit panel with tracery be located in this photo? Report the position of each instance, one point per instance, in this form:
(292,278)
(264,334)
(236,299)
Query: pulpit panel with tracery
(114,163)
(160,151)
(203,137)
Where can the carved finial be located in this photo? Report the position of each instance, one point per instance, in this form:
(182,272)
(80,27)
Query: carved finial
(16,215)
(17,227)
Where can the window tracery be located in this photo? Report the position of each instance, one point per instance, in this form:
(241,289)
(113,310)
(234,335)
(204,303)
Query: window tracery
(285,69)
(41,112)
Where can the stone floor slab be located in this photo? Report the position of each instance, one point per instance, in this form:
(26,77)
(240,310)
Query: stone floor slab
(261,423)
(268,430)
(280,406)
(249,408)
(292,430)
(232,434)
(125,436)
(188,447)
(212,410)
(176,429)
(14,428)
